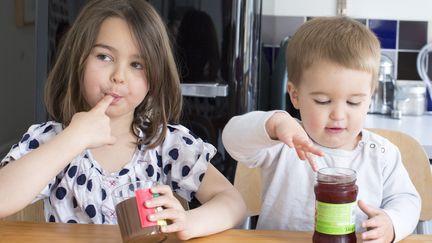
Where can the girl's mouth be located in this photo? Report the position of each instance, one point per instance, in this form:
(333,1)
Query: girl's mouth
(115,96)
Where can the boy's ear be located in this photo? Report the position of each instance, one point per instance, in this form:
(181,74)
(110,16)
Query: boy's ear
(293,94)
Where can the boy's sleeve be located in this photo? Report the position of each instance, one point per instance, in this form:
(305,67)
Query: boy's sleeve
(401,200)
(247,141)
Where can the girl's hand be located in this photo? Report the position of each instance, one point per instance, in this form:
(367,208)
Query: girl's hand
(172,211)
(283,127)
(379,225)
(93,127)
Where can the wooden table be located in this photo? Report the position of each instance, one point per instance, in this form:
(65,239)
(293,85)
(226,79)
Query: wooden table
(57,233)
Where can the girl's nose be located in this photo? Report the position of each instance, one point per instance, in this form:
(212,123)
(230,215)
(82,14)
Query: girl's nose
(118,75)
(117,80)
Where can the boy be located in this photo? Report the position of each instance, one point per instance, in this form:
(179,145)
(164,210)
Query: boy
(332,71)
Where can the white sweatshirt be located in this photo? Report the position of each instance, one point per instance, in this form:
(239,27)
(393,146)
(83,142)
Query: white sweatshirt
(288,182)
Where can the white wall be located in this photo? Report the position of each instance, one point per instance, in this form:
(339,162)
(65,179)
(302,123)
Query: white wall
(17,82)
(379,9)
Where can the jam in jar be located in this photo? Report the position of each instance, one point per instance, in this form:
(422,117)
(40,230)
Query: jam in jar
(336,195)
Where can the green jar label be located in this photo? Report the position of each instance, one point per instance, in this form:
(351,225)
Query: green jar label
(335,219)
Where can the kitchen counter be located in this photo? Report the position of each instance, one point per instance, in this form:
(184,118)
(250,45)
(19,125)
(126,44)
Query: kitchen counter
(419,127)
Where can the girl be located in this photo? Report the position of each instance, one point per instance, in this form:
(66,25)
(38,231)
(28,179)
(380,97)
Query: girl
(110,95)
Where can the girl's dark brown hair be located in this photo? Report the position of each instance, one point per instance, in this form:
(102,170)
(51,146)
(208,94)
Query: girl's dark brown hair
(163,102)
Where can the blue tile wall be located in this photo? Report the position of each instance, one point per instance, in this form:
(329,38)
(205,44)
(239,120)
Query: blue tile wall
(400,40)
(385,31)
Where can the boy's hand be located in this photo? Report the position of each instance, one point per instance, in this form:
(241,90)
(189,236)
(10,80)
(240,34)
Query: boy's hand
(172,210)
(93,127)
(283,127)
(379,225)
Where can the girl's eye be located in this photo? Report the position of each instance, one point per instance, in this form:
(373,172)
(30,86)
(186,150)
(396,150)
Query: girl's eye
(137,65)
(322,102)
(104,57)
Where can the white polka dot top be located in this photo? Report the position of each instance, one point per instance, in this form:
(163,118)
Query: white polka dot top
(81,192)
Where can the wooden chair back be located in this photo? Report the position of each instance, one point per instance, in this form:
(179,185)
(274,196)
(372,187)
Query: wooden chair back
(417,164)
(248,183)
(33,213)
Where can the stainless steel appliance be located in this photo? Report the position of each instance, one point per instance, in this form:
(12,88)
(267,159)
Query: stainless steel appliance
(217,45)
(382,100)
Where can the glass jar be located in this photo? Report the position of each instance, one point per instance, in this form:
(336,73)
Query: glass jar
(411,99)
(336,195)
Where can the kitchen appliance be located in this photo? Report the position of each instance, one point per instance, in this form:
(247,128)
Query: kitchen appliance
(382,99)
(217,48)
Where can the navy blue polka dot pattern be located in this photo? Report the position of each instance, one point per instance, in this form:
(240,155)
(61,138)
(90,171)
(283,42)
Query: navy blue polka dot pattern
(91,211)
(131,187)
(72,171)
(34,144)
(187,140)
(89,185)
(47,129)
(185,171)
(81,179)
(150,171)
(60,193)
(167,169)
(175,186)
(75,203)
(66,168)
(123,172)
(25,138)
(159,159)
(82,191)
(57,180)
(104,194)
(174,153)
(201,177)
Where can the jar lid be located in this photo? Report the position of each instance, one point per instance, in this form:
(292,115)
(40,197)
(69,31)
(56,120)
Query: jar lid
(336,175)
(412,89)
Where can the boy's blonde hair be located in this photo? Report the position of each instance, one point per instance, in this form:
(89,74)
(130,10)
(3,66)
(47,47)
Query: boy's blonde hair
(341,40)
